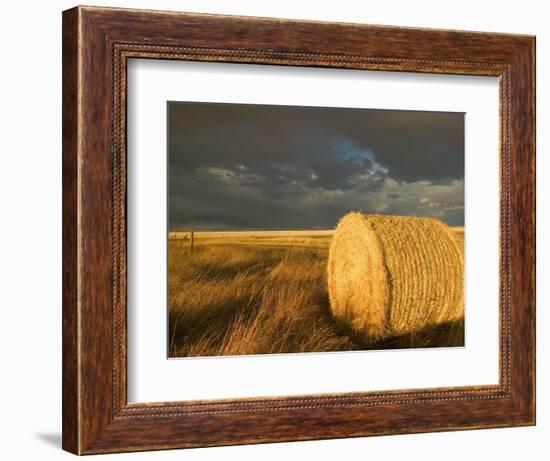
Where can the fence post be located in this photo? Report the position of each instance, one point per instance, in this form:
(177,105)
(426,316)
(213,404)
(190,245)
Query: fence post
(192,240)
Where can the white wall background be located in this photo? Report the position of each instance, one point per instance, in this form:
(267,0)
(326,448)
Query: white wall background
(30,230)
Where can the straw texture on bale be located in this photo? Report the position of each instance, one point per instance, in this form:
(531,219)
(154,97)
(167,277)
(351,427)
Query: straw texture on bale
(394,275)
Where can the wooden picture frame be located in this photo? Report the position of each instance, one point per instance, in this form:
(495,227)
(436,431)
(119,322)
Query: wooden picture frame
(97,43)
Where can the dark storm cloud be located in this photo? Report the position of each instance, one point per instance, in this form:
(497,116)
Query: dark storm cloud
(252,166)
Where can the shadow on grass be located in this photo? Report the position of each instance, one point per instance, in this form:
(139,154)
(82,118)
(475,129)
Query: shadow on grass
(447,334)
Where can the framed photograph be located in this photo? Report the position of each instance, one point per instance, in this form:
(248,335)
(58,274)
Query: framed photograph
(282,230)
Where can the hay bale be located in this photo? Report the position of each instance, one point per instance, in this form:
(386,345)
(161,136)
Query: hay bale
(394,275)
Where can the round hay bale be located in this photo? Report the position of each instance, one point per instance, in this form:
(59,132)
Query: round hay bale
(394,275)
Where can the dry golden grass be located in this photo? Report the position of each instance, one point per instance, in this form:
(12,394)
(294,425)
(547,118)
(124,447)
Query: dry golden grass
(232,297)
(392,275)
(280,239)
(263,293)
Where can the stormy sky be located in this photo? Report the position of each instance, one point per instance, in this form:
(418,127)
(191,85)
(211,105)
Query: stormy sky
(239,166)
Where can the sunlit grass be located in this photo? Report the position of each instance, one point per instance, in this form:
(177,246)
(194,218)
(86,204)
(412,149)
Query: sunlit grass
(260,293)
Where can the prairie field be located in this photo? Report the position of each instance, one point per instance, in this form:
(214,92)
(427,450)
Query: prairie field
(265,292)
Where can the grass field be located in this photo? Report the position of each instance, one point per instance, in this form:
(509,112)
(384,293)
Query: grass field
(263,293)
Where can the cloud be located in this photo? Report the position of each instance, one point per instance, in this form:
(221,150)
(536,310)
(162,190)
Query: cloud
(242,166)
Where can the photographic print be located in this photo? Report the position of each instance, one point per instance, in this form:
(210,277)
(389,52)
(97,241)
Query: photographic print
(298,229)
